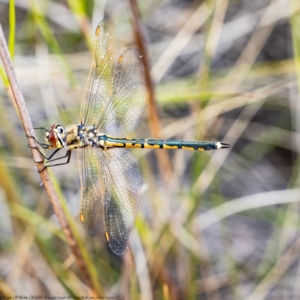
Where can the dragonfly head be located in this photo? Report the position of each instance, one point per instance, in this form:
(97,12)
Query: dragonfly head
(56,136)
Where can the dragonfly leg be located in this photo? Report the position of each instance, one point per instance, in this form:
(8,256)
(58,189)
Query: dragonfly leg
(41,128)
(81,147)
(68,155)
(52,154)
(43,145)
(51,160)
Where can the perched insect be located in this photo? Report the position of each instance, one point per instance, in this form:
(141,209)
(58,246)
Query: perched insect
(113,104)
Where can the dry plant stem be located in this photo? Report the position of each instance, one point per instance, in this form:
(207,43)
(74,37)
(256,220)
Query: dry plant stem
(154,120)
(27,124)
(163,158)
(126,271)
(84,26)
(167,281)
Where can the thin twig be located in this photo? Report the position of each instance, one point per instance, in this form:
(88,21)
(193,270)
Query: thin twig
(162,156)
(28,128)
(154,120)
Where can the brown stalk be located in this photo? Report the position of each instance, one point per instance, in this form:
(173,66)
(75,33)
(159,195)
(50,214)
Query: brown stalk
(162,156)
(29,131)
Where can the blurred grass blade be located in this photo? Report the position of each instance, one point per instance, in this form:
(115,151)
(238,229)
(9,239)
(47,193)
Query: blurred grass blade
(12,28)
(5,290)
(87,260)
(211,42)
(78,7)
(4,77)
(23,213)
(295,25)
(46,31)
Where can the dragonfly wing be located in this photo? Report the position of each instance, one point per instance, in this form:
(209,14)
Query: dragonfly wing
(115,96)
(122,197)
(99,85)
(115,198)
(127,102)
(92,189)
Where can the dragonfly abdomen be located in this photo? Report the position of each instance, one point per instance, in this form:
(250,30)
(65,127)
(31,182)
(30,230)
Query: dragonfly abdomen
(108,141)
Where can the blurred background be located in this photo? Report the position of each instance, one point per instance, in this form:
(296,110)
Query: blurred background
(213,225)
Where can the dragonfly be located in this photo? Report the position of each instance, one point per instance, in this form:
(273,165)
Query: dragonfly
(113,103)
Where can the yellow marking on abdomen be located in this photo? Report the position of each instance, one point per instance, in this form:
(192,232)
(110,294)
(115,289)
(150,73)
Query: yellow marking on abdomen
(112,144)
(82,218)
(151,146)
(170,147)
(187,148)
(130,145)
(118,144)
(106,236)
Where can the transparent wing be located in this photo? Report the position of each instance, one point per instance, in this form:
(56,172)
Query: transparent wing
(92,189)
(115,96)
(110,194)
(99,85)
(127,102)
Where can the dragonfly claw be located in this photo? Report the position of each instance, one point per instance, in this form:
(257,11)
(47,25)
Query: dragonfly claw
(225,145)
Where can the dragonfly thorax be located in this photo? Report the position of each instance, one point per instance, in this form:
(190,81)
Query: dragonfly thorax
(79,136)
(74,136)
